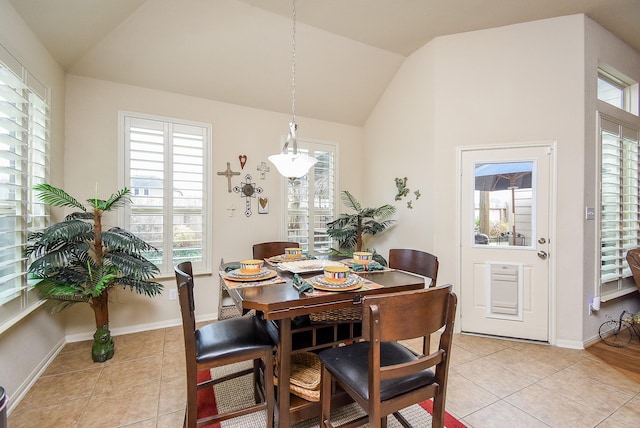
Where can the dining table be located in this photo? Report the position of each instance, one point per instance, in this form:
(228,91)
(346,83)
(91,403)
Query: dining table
(286,311)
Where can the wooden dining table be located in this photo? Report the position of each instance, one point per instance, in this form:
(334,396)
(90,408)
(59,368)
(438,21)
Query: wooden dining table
(283,307)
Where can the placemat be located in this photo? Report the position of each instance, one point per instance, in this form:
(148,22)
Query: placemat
(234,284)
(366,285)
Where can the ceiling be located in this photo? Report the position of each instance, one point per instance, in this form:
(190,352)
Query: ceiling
(239,51)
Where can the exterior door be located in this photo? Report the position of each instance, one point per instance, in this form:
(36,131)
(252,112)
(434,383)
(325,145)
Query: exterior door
(505,212)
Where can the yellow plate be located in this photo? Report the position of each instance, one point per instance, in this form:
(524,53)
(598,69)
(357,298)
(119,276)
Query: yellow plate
(234,275)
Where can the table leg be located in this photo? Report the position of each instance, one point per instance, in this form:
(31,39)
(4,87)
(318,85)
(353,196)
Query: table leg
(284,371)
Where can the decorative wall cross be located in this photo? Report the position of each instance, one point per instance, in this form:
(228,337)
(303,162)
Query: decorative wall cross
(228,173)
(247,190)
(263,168)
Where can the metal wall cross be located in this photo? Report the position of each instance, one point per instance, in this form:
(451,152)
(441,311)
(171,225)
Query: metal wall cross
(247,190)
(228,173)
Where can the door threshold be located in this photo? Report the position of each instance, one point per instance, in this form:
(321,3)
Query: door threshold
(513,339)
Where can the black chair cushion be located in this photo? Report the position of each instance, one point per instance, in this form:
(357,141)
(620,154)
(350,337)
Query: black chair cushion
(350,364)
(229,337)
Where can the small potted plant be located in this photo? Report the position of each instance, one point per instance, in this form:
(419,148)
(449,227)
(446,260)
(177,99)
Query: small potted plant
(76,261)
(350,230)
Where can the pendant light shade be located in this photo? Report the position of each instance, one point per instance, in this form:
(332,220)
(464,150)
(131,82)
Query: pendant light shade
(292,164)
(289,162)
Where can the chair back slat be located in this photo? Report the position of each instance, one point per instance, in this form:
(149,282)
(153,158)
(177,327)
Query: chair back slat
(406,315)
(405,369)
(270,249)
(184,279)
(415,261)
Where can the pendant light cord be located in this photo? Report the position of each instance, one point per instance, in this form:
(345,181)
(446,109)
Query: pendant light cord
(293,65)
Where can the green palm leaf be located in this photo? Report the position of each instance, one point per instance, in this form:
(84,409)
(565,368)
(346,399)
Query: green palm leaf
(116,200)
(120,239)
(57,197)
(350,201)
(148,288)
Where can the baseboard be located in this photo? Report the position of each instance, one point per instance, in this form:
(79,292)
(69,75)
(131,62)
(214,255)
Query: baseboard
(591,341)
(569,344)
(79,337)
(22,390)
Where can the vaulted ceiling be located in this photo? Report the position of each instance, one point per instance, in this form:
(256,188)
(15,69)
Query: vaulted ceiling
(239,51)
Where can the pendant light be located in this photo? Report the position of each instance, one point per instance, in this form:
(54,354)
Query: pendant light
(292,164)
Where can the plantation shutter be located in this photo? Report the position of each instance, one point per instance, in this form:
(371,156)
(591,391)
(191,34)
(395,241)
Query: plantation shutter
(620,204)
(311,201)
(24,145)
(167,173)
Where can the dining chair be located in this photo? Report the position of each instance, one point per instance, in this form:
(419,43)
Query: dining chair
(270,249)
(415,261)
(633,259)
(382,375)
(219,344)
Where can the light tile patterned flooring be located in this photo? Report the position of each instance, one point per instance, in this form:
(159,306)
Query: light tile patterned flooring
(492,383)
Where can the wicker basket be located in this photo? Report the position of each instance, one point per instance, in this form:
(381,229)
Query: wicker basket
(333,315)
(304,380)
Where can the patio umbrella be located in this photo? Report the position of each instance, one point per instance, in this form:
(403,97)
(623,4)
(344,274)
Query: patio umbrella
(504,176)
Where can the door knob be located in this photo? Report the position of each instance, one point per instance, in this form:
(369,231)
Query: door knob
(543,255)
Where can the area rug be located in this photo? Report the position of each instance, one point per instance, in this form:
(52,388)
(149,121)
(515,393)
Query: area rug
(228,395)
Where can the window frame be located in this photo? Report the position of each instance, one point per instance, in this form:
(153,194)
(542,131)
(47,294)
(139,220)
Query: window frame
(622,283)
(310,146)
(629,89)
(204,266)
(30,112)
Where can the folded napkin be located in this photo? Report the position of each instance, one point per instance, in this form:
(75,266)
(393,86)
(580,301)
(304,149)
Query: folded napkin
(302,285)
(232,267)
(372,265)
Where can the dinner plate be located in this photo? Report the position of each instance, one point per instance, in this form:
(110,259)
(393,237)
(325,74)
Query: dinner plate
(304,266)
(321,283)
(283,258)
(237,275)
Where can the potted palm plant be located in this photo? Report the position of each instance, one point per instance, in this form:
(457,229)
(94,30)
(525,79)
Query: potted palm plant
(350,230)
(76,261)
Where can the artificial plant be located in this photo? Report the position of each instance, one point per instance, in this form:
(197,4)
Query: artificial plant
(351,230)
(76,261)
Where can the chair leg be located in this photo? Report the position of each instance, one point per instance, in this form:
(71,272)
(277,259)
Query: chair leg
(437,418)
(325,398)
(269,392)
(257,382)
(191,409)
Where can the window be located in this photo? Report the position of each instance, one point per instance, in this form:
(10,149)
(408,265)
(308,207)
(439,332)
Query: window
(618,90)
(619,203)
(610,90)
(311,200)
(24,162)
(167,169)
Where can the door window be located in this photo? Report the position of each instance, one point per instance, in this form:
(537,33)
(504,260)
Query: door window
(504,203)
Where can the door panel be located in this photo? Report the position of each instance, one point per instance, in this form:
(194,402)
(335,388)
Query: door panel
(504,226)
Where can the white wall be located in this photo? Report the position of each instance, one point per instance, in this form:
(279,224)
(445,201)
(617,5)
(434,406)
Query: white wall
(92,148)
(400,142)
(511,84)
(31,341)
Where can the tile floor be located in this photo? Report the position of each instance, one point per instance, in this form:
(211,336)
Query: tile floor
(492,383)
